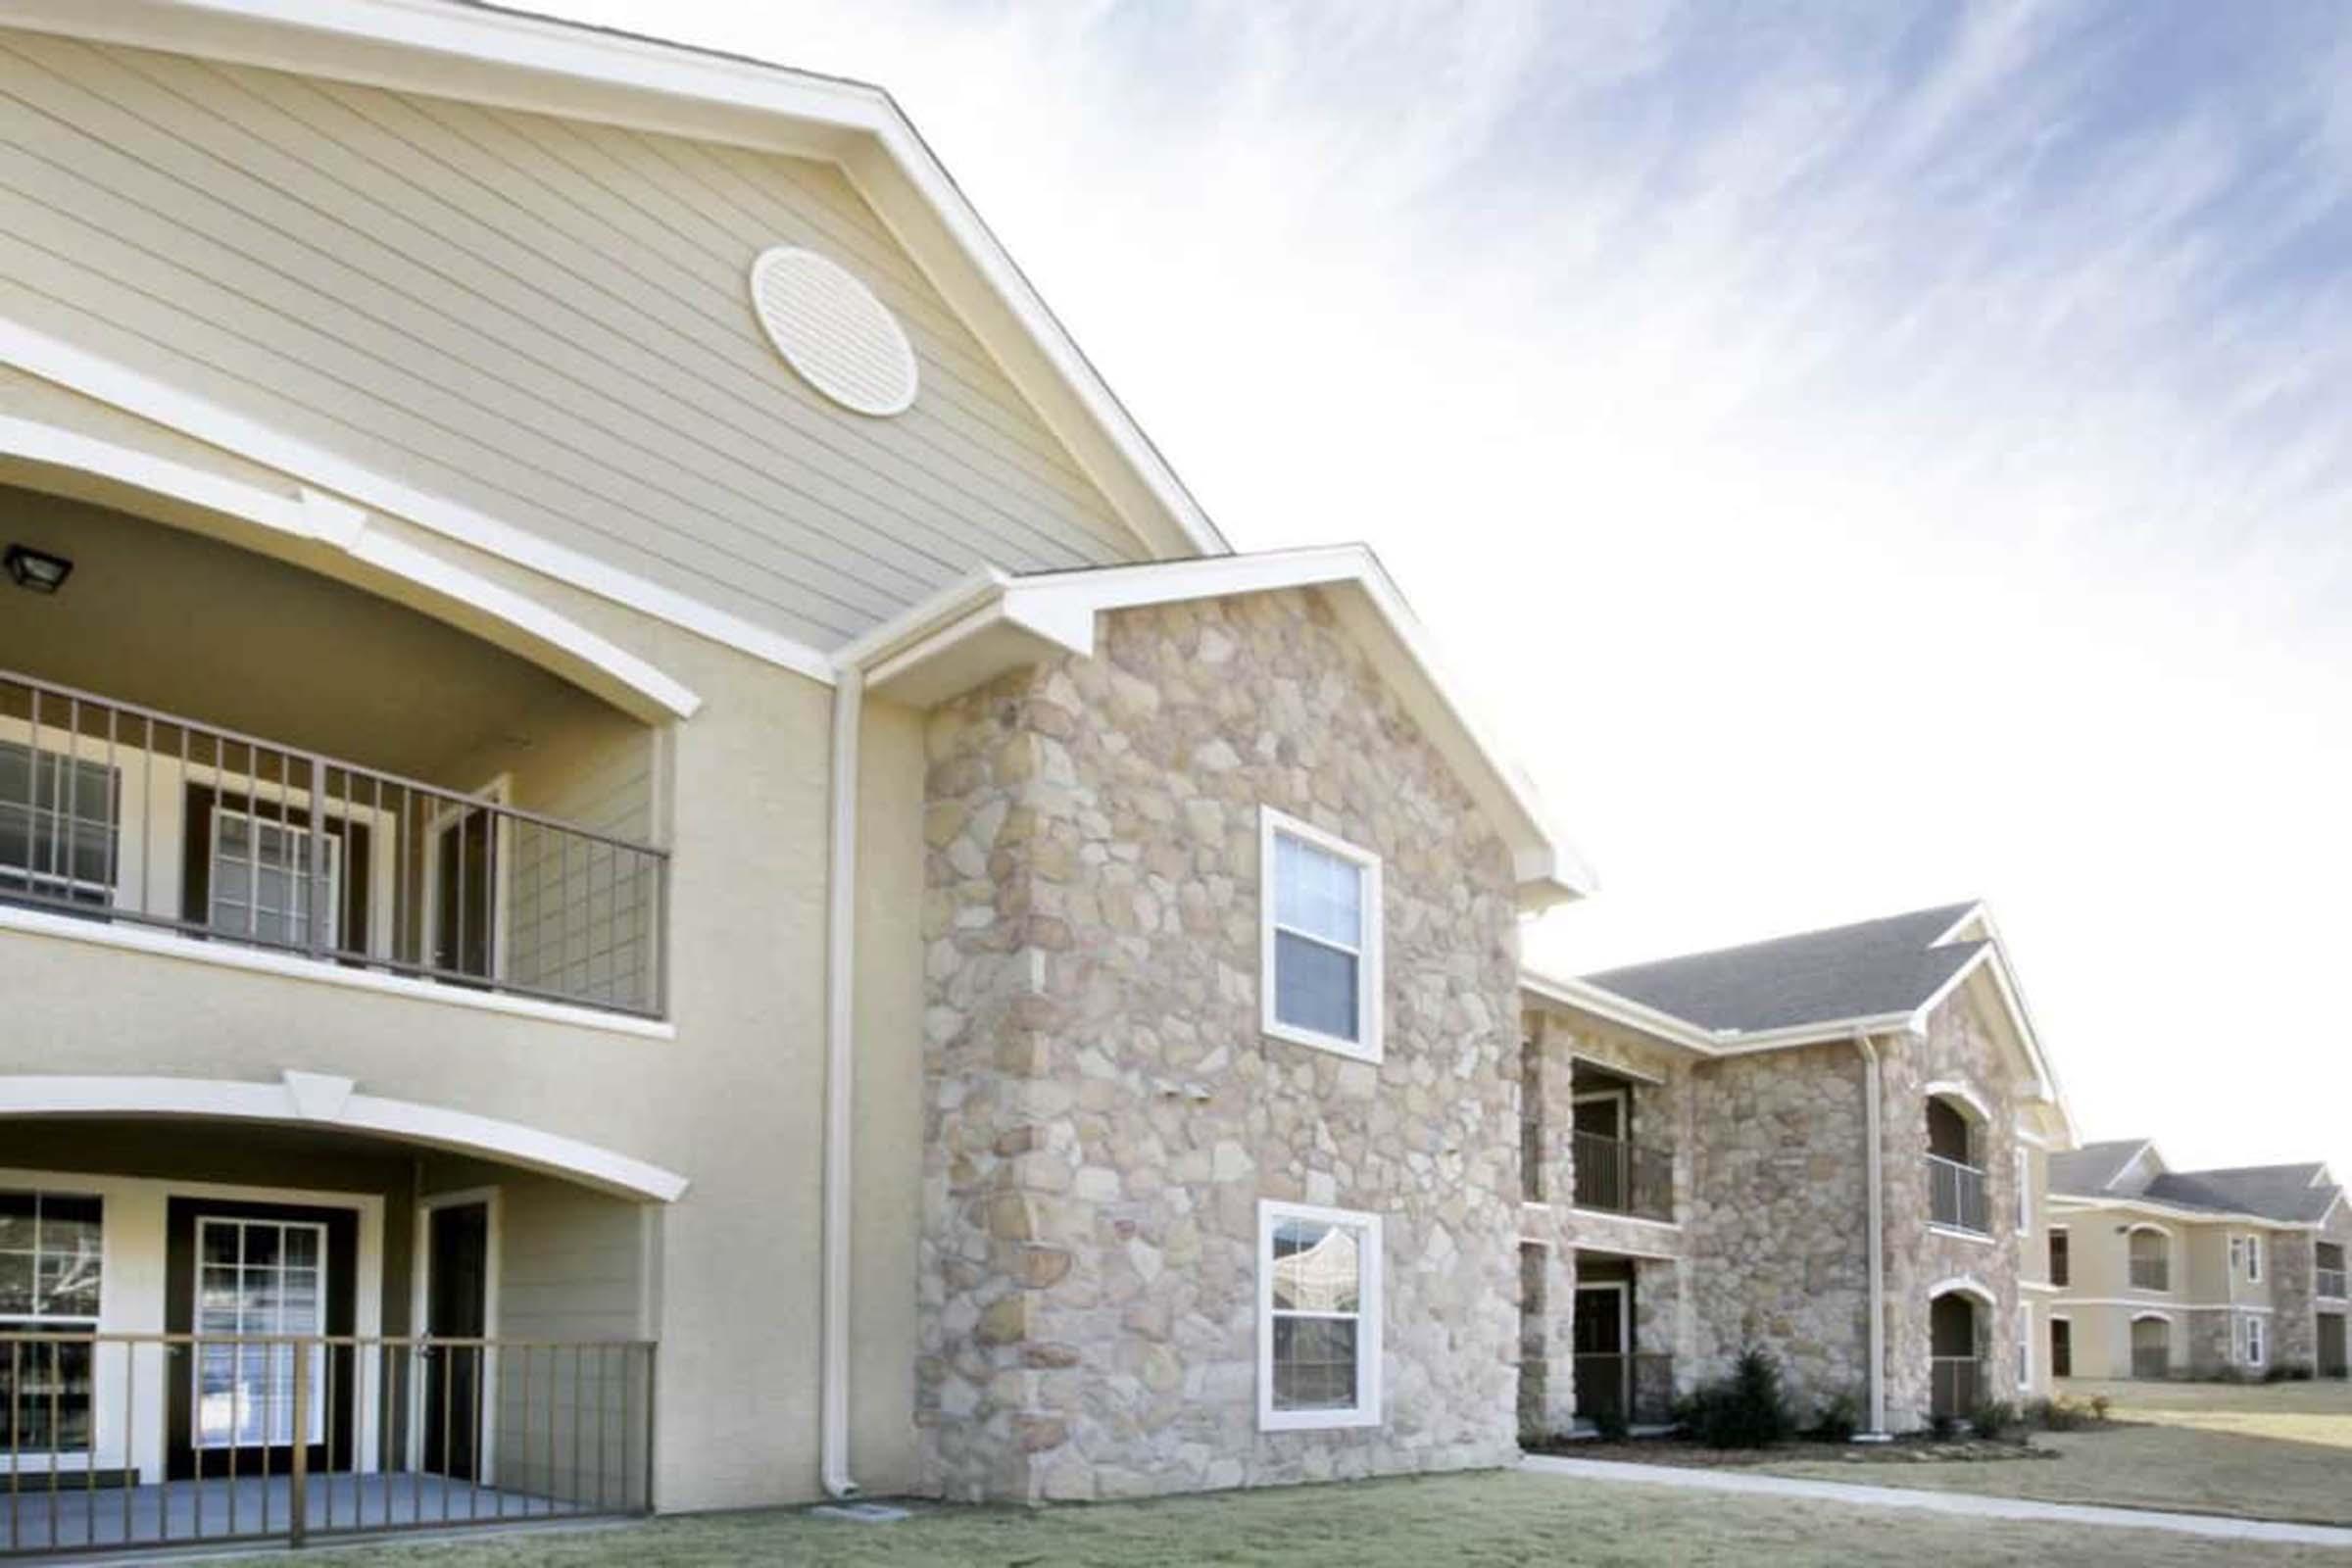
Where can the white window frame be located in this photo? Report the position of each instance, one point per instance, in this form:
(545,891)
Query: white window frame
(2257,1349)
(2050,1270)
(1366,1411)
(2024,1345)
(2023,1161)
(2254,1258)
(315,841)
(2238,1256)
(317,1354)
(1273,824)
(37,1322)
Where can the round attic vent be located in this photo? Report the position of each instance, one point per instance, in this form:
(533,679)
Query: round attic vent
(830,328)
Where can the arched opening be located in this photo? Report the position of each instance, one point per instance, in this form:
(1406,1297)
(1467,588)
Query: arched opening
(1956,1143)
(188,1306)
(1956,1345)
(212,743)
(2151,1345)
(2152,1258)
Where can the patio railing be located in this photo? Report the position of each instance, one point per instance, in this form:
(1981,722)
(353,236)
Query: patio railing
(1639,1388)
(2330,1282)
(1617,1177)
(115,1441)
(1957,1196)
(2151,1273)
(116,813)
(1955,1385)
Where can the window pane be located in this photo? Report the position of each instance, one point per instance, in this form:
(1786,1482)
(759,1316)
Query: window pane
(15,1284)
(302,1246)
(1317,892)
(1315,1363)
(67,1284)
(218,1241)
(1315,1267)
(16,1221)
(45,1381)
(1314,987)
(260,1245)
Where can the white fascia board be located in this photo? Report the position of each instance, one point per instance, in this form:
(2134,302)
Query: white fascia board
(1975,913)
(549,65)
(1996,954)
(991,621)
(2075,1203)
(1585,997)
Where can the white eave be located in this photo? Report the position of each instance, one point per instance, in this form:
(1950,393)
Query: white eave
(544,64)
(993,621)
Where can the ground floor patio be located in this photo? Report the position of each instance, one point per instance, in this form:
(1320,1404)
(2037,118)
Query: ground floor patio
(76,1516)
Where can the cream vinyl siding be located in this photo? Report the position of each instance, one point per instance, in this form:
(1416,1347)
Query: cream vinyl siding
(544,320)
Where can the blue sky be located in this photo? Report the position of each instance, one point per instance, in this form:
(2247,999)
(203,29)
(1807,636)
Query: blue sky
(1862,455)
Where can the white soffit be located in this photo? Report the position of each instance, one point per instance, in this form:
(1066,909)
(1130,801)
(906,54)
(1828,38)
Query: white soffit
(831,330)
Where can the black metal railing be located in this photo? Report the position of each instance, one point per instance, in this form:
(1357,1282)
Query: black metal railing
(1634,1390)
(116,813)
(1957,1196)
(1618,1177)
(116,1441)
(2152,1273)
(1956,1386)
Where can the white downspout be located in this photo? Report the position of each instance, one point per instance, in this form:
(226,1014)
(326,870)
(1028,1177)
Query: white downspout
(1875,1167)
(841,915)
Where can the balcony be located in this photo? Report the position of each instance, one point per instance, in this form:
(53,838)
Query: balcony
(2329,1283)
(1617,1177)
(124,815)
(1957,1196)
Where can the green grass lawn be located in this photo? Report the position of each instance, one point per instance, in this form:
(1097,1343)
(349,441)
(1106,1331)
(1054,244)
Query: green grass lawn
(2266,1451)
(1494,1518)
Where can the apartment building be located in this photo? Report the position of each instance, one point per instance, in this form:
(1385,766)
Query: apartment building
(2194,1273)
(1832,1146)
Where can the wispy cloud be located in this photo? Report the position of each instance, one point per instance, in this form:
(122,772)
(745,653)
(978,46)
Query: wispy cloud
(1866,454)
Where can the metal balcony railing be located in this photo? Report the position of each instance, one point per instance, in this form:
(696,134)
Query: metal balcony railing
(2330,1282)
(1956,1385)
(2151,1273)
(1618,1177)
(1957,1196)
(114,813)
(1638,1389)
(120,1441)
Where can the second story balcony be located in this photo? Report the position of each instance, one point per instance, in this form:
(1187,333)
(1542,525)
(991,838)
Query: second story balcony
(122,814)
(1957,1196)
(1617,1177)
(2327,1279)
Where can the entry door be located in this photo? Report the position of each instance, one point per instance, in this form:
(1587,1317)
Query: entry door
(2062,1348)
(1602,1366)
(236,1272)
(2331,1345)
(456,1307)
(464,901)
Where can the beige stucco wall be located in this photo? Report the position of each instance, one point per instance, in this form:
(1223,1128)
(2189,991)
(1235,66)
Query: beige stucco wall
(734,1101)
(1104,1114)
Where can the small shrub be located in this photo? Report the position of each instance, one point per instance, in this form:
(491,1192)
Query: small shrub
(1992,1417)
(1610,1425)
(2056,1415)
(1748,1409)
(1838,1420)
(2100,1404)
(1943,1427)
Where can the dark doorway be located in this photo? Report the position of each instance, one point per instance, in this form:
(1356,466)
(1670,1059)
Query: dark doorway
(1949,1135)
(465,892)
(236,1271)
(2331,1345)
(456,1307)
(1603,1358)
(1953,1348)
(2062,1348)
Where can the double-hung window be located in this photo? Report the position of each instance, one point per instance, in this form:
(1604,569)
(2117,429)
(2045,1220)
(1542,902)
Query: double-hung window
(60,826)
(2255,1349)
(51,1261)
(2254,1258)
(1320,966)
(1318,1329)
(2025,1191)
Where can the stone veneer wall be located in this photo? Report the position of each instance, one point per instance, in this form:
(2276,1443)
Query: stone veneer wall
(1776,1219)
(1104,1115)
(1958,1048)
(2292,1258)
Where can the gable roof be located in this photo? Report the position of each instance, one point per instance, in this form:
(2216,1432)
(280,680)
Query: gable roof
(489,55)
(2291,1194)
(1870,970)
(2089,1170)
(993,621)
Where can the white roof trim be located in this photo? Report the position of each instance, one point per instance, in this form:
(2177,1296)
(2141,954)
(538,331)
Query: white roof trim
(2013,999)
(318,520)
(323,1100)
(2076,1202)
(992,621)
(555,67)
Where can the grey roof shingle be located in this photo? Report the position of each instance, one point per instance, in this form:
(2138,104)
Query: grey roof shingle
(2087,1171)
(1865,970)
(2273,1192)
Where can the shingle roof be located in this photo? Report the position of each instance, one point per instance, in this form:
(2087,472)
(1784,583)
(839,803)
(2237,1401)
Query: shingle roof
(2273,1192)
(1865,970)
(2087,1171)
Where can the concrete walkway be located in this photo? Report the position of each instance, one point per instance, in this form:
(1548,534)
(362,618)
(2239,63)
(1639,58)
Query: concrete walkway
(1966,1505)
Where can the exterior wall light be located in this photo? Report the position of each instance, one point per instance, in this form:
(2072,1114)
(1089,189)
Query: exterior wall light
(37,569)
